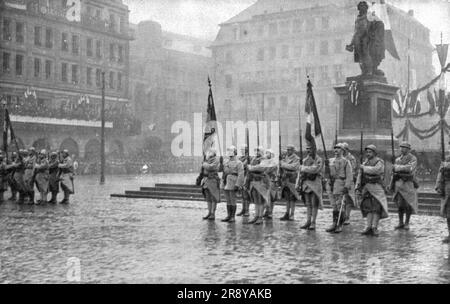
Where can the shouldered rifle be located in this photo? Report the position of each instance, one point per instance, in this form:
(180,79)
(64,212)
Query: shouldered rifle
(393,175)
(362,181)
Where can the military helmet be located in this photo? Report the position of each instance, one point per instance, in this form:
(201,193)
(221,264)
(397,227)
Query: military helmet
(372,148)
(339,146)
(54,154)
(290,147)
(405,145)
(43,152)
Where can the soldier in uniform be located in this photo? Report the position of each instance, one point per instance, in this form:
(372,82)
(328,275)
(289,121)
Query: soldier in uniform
(370,188)
(53,181)
(19,168)
(310,184)
(260,186)
(256,160)
(443,188)
(28,175)
(66,176)
(232,181)
(289,166)
(42,176)
(211,183)
(342,175)
(244,158)
(3,177)
(271,172)
(404,185)
(349,203)
(10,172)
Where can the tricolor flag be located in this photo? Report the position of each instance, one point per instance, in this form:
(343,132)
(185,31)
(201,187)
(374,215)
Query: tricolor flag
(211,138)
(311,111)
(380,10)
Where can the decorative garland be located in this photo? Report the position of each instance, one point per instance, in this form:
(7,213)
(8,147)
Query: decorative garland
(422,134)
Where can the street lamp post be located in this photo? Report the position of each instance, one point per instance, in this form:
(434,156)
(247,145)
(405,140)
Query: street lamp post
(102,147)
(5,132)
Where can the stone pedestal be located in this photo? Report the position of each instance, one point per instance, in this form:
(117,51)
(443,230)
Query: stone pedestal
(372,114)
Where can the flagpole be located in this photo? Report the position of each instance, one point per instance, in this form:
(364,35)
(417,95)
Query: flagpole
(5,129)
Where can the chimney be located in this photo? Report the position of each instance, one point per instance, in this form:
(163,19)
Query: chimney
(411,13)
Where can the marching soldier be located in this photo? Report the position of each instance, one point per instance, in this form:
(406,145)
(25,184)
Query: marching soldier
(232,181)
(443,188)
(244,158)
(42,176)
(342,175)
(260,186)
(256,160)
(211,183)
(310,183)
(271,173)
(369,184)
(404,185)
(28,175)
(53,181)
(289,166)
(3,177)
(349,203)
(10,172)
(66,176)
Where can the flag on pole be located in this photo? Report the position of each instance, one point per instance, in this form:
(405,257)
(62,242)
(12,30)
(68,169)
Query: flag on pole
(353,91)
(381,11)
(311,114)
(211,138)
(442,51)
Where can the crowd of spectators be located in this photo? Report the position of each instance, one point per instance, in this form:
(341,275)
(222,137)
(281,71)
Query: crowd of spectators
(121,116)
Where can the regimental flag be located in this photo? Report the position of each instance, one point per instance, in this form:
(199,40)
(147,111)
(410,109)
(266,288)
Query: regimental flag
(353,91)
(442,50)
(210,138)
(8,130)
(381,11)
(312,114)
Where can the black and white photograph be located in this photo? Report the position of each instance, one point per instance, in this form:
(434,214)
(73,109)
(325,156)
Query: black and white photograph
(226,146)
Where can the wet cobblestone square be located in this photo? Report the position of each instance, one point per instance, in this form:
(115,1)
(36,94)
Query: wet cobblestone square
(150,241)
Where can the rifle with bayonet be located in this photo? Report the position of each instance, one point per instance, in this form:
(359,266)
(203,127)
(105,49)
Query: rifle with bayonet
(362,181)
(393,175)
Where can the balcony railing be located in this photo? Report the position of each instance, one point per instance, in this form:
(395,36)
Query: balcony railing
(59,121)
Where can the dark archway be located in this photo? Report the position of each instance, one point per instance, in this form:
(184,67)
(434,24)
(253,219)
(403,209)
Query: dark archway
(40,144)
(116,149)
(92,150)
(71,145)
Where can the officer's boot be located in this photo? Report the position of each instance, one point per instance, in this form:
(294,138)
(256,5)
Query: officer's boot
(348,211)
(340,219)
(247,208)
(259,215)
(228,214)
(333,226)
(53,199)
(308,221)
(315,210)
(376,219)
(368,230)
(21,198)
(243,208)
(407,219)
(292,213)
(233,213)
(66,198)
(401,225)
(13,195)
(447,239)
(212,217)
(286,215)
(31,196)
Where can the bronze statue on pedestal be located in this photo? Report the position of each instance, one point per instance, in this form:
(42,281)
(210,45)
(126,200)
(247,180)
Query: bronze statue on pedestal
(368,41)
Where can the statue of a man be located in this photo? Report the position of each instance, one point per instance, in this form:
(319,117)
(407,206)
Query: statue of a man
(368,41)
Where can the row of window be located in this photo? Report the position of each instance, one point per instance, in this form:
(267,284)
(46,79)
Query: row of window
(297,75)
(44,68)
(289,51)
(283,27)
(116,51)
